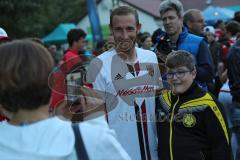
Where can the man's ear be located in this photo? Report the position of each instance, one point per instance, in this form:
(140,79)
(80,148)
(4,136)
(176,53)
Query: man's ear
(110,28)
(139,27)
(189,24)
(194,72)
(74,43)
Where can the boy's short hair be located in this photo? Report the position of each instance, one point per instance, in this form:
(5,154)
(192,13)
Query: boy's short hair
(25,67)
(180,58)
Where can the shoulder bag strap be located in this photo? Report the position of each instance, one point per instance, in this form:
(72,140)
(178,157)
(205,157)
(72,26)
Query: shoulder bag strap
(79,145)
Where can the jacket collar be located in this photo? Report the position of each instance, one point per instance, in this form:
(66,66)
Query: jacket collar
(183,34)
(74,51)
(193,92)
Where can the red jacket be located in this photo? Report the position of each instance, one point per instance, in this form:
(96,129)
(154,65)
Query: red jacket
(70,59)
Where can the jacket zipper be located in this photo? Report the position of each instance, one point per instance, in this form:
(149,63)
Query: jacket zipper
(171,125)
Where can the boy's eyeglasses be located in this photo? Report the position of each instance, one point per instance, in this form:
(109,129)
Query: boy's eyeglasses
(179,74)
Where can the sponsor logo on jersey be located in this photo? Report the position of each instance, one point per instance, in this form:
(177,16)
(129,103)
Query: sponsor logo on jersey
(139,90)
(118,76)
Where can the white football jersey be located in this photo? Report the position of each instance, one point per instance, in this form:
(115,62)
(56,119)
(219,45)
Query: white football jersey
(129,92)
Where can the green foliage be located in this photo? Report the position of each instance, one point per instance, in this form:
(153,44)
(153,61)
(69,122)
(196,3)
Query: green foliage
(36,18)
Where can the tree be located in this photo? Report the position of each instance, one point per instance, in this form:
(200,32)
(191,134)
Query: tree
(36,18)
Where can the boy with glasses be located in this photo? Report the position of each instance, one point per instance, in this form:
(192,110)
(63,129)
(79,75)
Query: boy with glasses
(190,122)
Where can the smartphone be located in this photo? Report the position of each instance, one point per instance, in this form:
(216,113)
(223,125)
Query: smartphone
(74,80)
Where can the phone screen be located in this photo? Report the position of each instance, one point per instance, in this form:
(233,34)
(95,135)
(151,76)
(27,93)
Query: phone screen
(74,81)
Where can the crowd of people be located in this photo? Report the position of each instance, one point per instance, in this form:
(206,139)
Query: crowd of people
(170,95)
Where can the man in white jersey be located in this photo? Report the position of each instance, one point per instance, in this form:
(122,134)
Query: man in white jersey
(128,77)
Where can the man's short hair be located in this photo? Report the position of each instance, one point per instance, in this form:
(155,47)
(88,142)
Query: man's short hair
(180,58)
(74,35)
(233,27)
(122,11)
(24,68)
(171,5)
(189,15)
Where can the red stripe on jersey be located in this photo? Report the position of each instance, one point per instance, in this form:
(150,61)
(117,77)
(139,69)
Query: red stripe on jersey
(140,131)
(145,128)
(137,68)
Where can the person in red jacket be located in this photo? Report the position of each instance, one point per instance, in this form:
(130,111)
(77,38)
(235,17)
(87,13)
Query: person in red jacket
(76,40)
(71,58)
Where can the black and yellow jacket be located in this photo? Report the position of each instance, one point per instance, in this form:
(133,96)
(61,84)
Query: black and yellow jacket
(191,126)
